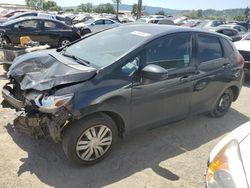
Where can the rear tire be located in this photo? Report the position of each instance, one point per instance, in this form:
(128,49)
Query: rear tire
(90,139)
(64,41)
(223,104)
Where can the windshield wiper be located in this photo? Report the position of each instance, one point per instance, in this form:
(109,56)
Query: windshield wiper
(77,59)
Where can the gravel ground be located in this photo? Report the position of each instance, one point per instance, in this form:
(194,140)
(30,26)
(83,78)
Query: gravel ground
(170,156)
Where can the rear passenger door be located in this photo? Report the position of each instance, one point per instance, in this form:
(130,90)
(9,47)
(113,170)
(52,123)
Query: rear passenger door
(213,66)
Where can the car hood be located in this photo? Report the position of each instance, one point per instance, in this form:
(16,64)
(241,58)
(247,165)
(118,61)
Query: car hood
(243,45)
(46,69)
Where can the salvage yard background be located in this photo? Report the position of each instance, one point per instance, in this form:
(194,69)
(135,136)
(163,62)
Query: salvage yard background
(170,156)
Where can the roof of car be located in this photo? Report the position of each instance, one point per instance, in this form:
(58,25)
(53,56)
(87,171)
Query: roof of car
(30,18)
(158,29)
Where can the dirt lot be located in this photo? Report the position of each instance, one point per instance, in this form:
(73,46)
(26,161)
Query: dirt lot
(170,156)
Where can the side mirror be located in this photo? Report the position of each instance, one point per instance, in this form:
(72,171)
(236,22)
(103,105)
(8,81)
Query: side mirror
(93,24)
(154,72)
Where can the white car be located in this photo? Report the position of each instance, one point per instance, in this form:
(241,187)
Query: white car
(244,48)
(96,25)
(229,161)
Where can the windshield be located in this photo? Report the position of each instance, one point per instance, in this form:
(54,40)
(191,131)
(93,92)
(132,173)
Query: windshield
(102,49)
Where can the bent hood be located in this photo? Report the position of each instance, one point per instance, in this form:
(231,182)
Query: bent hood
(46,69)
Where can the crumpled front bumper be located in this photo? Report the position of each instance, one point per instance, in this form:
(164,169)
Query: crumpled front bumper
(33,122)
(8,96)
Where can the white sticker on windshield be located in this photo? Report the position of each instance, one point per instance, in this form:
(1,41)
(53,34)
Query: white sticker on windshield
(142,34)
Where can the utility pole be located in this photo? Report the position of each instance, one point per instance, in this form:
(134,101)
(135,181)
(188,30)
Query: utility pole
(139,9)
(117,7)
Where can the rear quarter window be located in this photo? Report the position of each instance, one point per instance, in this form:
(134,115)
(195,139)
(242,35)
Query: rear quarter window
(228,48)
(209,48)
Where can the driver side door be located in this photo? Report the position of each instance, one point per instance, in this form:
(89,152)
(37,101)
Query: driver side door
(31,28)
(158,101)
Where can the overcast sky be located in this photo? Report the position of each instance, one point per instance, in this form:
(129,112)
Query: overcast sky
(173,4)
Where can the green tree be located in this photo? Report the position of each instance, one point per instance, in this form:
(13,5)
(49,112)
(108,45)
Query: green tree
(161,12)
(34,4)
(246,13)
(105,8)
(199,13)
(87,7)
(51,5)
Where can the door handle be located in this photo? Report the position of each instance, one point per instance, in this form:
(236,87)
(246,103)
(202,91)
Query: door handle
(185,78)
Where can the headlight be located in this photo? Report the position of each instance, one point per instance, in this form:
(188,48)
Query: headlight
(50,104)
(226,170)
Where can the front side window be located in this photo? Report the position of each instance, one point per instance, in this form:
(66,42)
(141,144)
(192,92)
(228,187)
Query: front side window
(170,52)
(31,24)
(99,22)
(209,48)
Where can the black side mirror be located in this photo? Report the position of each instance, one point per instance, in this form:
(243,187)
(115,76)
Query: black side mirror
(154,72)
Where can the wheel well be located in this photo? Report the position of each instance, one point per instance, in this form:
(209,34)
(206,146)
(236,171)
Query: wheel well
(115,117)
(118,121)
(235,91)
(7,38)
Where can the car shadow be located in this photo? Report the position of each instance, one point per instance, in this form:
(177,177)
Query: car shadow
(134,153)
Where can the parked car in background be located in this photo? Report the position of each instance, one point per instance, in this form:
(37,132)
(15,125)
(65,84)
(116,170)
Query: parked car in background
(229,161)
(212,23)
(100,88)
(232,33)
(191,23)
(9,13)
(242,30)
(38,14)
(42,30)
(96,25)
(244,48)
(166,22)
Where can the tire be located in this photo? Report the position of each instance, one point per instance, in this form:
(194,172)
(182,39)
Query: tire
(223,104)
(85,32)
(5,40)
(63,42)
(82,146)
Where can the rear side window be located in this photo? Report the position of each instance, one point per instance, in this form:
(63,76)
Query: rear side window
(108,22)
(209,48)
(170,52)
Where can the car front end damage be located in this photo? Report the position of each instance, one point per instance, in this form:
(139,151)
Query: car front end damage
(35,80)
(38,113)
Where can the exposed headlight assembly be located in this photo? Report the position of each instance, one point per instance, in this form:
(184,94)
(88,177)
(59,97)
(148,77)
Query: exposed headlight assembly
(50,104)
(226,170)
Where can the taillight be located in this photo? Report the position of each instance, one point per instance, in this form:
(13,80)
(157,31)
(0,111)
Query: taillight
(240,60)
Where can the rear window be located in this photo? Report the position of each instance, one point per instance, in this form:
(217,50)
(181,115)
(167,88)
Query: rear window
(209,48)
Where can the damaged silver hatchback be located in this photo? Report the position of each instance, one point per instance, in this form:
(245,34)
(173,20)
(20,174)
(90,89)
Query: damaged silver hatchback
(89,93)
